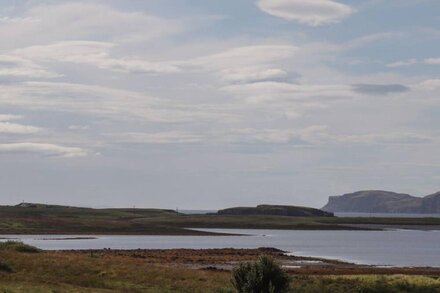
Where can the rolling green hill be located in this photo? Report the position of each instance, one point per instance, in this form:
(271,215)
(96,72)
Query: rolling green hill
(49,219)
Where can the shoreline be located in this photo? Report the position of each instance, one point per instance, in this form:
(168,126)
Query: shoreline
(225,259)
(201,231)
(189,270)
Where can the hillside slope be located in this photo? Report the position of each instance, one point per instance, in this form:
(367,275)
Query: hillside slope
(276,210)
(378,201)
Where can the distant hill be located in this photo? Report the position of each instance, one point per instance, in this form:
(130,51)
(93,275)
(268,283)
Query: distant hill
(275,210)
(378,201)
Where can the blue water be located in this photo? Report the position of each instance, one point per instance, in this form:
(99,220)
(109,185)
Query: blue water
(394,248)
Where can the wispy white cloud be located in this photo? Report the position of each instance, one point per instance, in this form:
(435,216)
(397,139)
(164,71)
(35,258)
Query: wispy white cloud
(262,92)
(315,135)
(429,85)
(310,12)
(44,149)
(99,101)
(8,127)
(93,53)
(46,23)
(403,63)
(169,137)
(15,66)
(413,61)
(247,63)
(9,117)
(79,127)
(432,61)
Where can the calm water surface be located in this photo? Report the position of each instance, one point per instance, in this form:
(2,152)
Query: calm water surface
(394,248)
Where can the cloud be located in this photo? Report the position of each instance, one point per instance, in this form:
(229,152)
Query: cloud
(314,135)
(93,53)
(229,136)
(43,148)
(7,127)
(247,63)
(429,61)
(79,127)
(170,137)
(9,117)
(15,66)
(262,92)
(380,89)
(68,21)
(99,101)
(403,63)
(251,74)
(245,56)
(310,12)
(385,138)
(428,85)
(432,61)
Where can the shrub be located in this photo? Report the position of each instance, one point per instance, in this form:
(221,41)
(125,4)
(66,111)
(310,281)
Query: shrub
(18,246)
(262,276)
(4,267)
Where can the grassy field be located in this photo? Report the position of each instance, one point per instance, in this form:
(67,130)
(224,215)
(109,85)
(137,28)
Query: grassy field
(64,220)
(34,271)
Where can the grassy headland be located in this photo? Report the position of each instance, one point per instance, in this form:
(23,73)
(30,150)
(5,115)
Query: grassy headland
(42,219)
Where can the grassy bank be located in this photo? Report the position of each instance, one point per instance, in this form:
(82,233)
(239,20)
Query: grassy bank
(64,220)
(108,271)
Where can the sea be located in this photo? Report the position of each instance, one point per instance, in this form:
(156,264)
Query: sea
(394,248)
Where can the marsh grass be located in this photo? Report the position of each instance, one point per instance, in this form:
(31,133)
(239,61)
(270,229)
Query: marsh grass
(366,284)
(113,272)
(18,246)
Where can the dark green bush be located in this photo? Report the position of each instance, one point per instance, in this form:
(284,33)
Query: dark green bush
(18,246)
(262,276)
(4,267)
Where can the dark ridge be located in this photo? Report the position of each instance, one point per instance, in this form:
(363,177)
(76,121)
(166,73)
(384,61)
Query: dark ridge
(276,210)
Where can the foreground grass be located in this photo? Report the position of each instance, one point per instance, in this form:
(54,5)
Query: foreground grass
(18,246)
(67,272)
(115,272)
(366,284)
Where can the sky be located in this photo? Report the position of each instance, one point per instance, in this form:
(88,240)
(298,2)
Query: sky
(196,104)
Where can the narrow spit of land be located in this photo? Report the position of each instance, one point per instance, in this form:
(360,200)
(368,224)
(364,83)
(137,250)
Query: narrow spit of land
(42,219)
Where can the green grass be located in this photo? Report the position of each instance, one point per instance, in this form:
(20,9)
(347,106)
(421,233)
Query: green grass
(72,272)
(81,272)
(69,220)
(18,246)
(366,284)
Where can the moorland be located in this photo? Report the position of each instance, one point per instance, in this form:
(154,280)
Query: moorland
(26,269)
(50,219)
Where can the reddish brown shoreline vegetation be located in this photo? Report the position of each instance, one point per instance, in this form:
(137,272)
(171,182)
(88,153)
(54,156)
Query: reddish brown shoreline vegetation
(227,258)
(187,270)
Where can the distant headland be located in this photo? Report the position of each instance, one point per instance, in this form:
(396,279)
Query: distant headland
(378,201)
